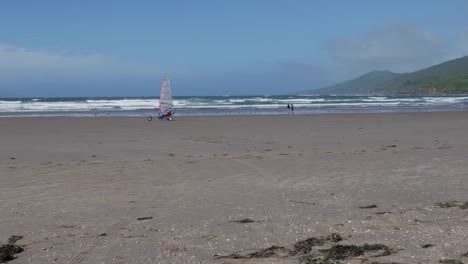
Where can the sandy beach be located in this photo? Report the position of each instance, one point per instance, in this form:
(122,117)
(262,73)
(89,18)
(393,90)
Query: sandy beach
(237,189)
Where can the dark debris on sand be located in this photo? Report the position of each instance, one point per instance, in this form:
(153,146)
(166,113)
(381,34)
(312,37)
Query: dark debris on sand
(450,204)
(13,239)
(338,253)
(244,221)
(8,251)
(450,261)
(317,260)
(383,213)
(299,248)
(375,262)
(144,218)
(305,246)
(345,251)
(427,245)
(368,206)
(269,252)
(273,251)
(303,249)
(301,202)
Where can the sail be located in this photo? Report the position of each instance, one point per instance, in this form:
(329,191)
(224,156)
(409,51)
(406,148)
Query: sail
(165,97)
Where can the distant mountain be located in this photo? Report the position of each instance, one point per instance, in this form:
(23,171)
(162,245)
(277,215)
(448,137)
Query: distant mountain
(365,84)
(450,77)
(447,77)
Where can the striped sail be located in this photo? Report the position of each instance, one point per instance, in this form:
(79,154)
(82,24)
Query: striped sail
(165,97)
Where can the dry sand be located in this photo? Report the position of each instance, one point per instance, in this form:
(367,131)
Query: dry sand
(124,190)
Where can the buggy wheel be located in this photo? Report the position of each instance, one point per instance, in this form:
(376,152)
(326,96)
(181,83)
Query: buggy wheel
(150,118)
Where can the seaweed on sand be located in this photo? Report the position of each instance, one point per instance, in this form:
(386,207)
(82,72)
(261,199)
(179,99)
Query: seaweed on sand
(340,252)
(305,246)
(450,204)
(13,239)
(8,251)
(317,260)
(273,251)
(333,255)
(301,247)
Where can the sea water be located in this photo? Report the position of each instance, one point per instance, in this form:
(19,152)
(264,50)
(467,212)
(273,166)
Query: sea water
(227,105)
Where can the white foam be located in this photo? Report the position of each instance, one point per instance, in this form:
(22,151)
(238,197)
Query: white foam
(40,105)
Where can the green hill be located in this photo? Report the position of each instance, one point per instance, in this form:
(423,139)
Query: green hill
(447,77)
(450,77)
(367,83)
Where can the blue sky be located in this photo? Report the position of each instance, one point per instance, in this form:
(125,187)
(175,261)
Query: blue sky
(123,48)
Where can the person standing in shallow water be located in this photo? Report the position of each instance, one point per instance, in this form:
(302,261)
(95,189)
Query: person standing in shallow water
(292,109)
(289,109)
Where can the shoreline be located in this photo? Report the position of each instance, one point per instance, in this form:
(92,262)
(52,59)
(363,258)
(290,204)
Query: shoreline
(242,111)
(229,105)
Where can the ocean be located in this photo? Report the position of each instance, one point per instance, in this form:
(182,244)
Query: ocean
(227,105)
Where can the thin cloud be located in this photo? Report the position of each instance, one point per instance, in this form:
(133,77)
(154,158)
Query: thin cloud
(398,48)
(17,62)
(461,45)
(28,72)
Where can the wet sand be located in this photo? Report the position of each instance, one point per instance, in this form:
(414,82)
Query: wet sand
(250,189)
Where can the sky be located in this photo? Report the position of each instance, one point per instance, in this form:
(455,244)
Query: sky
(56,48)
